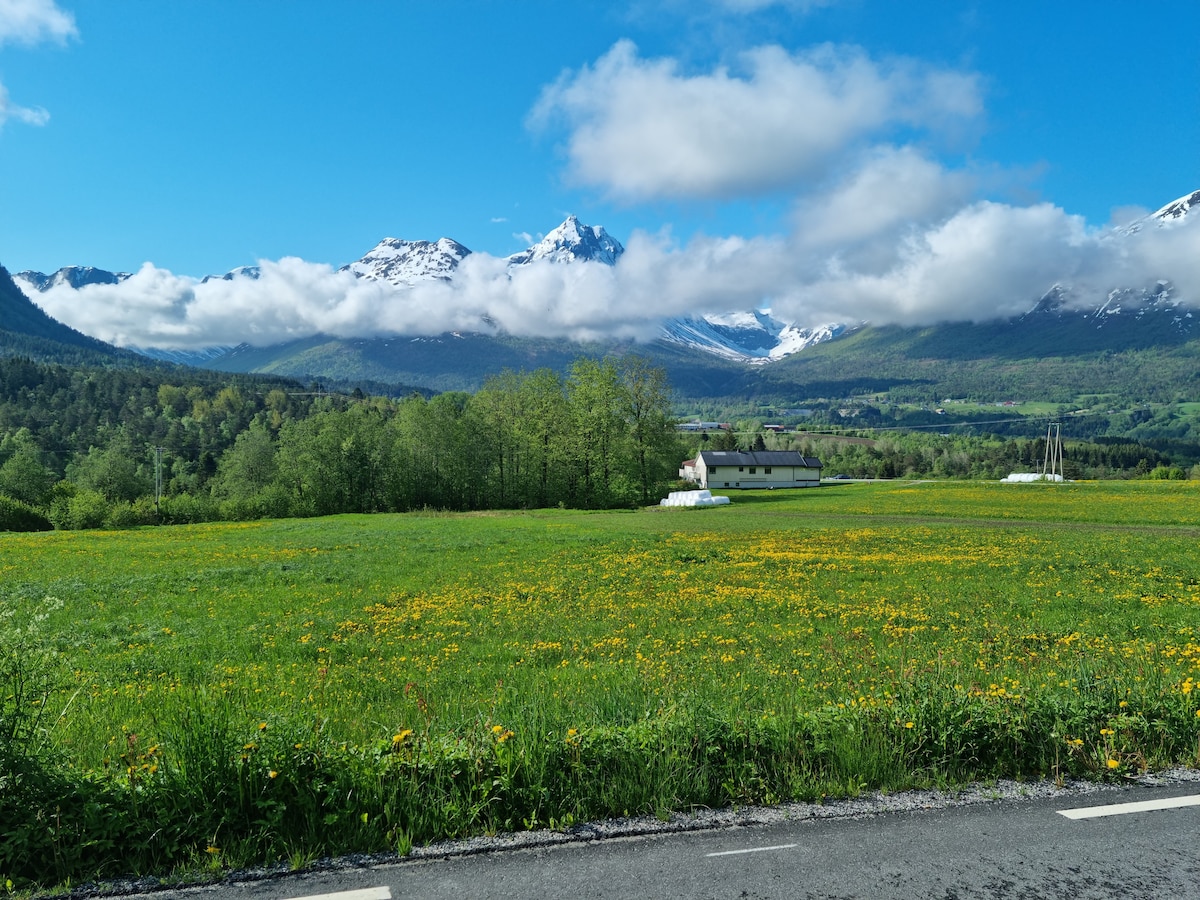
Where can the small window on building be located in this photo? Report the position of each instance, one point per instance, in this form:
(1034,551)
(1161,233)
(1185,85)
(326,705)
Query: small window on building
(741,468)
(766,470)
(727,484)
(713,470)
(754,470)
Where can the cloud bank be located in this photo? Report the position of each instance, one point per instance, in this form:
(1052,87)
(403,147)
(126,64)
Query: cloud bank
(983,261)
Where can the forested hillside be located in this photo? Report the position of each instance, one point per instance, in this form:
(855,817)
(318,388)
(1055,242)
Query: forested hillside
(991,362)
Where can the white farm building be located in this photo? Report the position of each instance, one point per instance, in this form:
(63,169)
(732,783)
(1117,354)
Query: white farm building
(714,469)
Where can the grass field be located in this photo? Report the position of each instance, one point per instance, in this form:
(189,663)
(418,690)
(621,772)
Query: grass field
(220,694)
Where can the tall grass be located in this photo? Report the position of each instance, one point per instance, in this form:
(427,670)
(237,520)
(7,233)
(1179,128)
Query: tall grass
(213,696)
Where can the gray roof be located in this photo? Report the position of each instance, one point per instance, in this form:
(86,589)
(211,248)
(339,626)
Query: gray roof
(758,458)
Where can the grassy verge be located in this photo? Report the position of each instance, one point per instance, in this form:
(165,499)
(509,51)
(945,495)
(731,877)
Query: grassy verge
(211,696)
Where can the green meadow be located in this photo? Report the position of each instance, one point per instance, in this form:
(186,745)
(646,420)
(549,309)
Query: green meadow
(189,699)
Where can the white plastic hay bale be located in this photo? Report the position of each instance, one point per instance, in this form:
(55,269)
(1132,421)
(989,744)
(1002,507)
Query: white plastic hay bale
(693,498)
(1027,477)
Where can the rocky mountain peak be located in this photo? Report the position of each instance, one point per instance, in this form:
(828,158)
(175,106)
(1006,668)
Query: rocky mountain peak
(572,241)
(405,263)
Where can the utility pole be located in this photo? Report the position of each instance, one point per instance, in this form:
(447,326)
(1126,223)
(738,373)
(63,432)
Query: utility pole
(158,452)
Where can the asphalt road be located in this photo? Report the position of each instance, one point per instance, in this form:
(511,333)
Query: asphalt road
(1012,849)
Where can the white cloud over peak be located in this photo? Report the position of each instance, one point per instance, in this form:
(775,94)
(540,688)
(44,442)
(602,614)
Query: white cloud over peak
(642,129)
(34,21)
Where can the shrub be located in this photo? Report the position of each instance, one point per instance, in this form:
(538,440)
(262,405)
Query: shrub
(272,502)
(18,516)
(74,510)
(130,515)
(1167,473)
(187,509)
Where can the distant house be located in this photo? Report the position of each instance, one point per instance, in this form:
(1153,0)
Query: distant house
(703,426)
(718,469)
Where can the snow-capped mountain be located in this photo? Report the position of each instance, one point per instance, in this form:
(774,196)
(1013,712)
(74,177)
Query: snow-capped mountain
(1156,307)
(1177,210)
(747,337)
(405,263)
(1172,214)
(1157,304)
(754,337)
(251,272)
(572,241)
(72,276)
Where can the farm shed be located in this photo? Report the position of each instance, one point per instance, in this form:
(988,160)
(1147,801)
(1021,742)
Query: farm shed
(755,469)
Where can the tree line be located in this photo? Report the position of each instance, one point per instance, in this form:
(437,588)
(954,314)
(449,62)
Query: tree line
(114,447)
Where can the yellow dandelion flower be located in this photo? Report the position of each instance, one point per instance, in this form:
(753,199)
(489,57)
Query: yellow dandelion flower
(1113,763)
(272,774)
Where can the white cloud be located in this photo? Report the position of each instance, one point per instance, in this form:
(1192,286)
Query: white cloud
(890,192)
(30,22)
(642,129)
(34,21)
(10,110)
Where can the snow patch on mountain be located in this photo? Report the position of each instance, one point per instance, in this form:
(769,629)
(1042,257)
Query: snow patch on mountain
(753,337)
(1172,214)
(1158,303)
(196,358)
(1177,210)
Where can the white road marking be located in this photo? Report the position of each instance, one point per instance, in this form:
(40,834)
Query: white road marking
(375,893)
(752,850)
(1120,809)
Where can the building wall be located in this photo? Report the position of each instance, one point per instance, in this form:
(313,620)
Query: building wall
(730,478)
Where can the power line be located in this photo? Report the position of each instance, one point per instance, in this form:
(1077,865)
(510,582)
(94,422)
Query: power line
(1045,417)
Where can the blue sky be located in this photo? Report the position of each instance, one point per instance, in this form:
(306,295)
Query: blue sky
(200,135)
